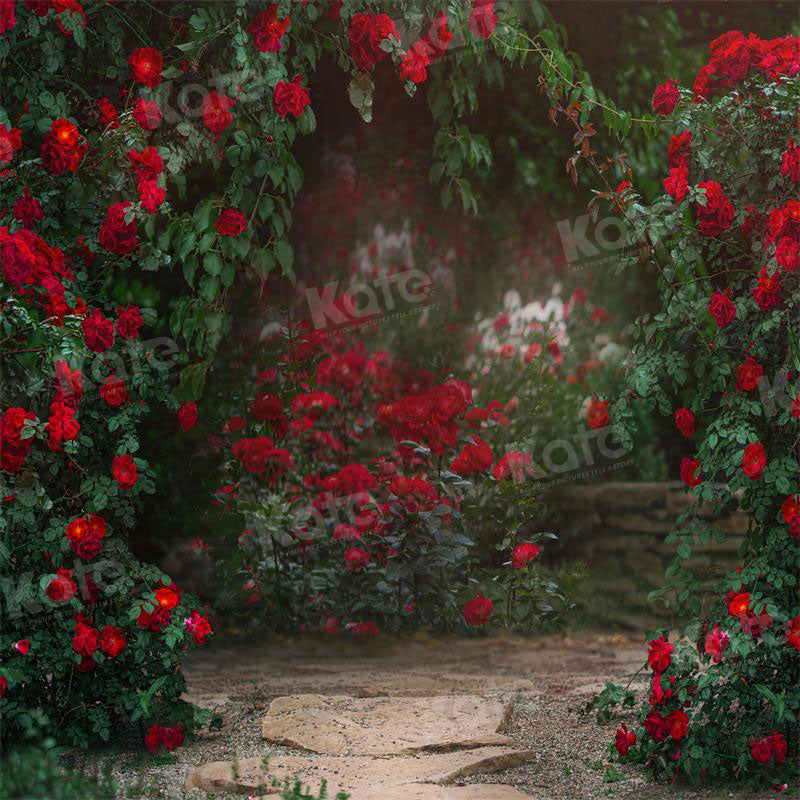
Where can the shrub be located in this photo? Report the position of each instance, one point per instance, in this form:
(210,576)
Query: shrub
(724,701)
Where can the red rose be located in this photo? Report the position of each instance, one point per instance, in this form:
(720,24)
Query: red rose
(475,456)
(199,626)
(767,293)
(187,416)
(684,421)
(7,20)
(65,133)
(786,254)
(152,738)
(366,33)
(98,332)
(659,654)
(10,140)
(147,114)
(677,184)
(61,425)
(678,724)
(523,554)
(13,448)
(266,30)
(482,18)
(761,750)
(739,604)
(112,391)
(146,64)
(717,214)
(124,471)
(791,514)
(112,641)
(597,416)
(413,66)
(624,740)
(356,558)
(85,640)
(108,114)
(791,161)
(3,686)
(656,726)
(478,610)
(793,633)
(27,209)
(754,460)
(167,598)
(291,97)
(62,587)
(715,643)
(690,472)
(230,222)
(721,308)
(23,646)
(749,374)
(129,321)
(116,235)
(680,150)
(665,97)
(151,195)
(172,737)
(216,113)
(779,747)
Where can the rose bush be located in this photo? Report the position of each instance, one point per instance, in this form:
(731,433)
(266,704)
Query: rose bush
(724,699)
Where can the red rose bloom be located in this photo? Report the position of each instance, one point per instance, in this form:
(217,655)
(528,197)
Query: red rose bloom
(754,460)
(677,184)
(690,472)
(199,626)
(356,558)
(10,140)
(749,374)
(112,391)
(62,587)
(767,293)
(61,425)
(172,737)
(85,639)
(7,19)
(721,308)
(761,750)
(624,740)
(266,30)
(717,214)
(23,647)
(147,114)
(656,726)
(684,421)
(129,321)
(27,209)
(597,416)
(478,610)
(793,633)
(112,641)
(666,97)
(123,468)
(152,738)
(786,254)
(366,33)
(659,654)
(523,554)
(680,150)
(116,235)
(790,509)
(474,457)
(147,164)
(98,332)
(739,604)
(146,64)
(230,222)
(187,416)
(151,195)
(791,162)
(108,114)
(678,724)
(216,113)
(13,448)
(291,97)
(482,18)
(414,65)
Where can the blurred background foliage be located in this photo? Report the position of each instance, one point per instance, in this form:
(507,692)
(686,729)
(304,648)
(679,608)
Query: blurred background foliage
(367,194)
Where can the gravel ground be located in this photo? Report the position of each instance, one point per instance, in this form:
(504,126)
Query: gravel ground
(549,679)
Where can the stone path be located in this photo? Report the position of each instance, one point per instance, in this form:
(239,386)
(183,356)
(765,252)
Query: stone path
(484,718)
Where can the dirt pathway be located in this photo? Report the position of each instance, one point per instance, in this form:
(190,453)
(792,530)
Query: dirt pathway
(543,682)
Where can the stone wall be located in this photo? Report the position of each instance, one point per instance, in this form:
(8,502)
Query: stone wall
(618,531)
